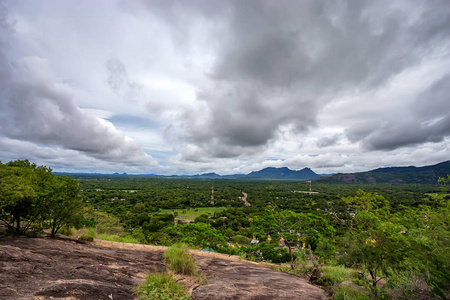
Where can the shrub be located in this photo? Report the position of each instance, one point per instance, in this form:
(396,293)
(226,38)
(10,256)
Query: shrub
(242,240)
(179,260)
(333,275)
(268,251)
(36,233)
(349,293)
(196,234)
(326,250)
(87,234)
(203,218)
(407,286)
(158,238)
(68,231)
(161,286)
(107,223)
(245,232)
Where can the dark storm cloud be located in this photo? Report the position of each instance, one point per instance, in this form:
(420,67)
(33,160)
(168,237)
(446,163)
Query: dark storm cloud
(36,108)
(427,121)
(328,141)
(317,44)
(42,111)
(280,62)
(241,119)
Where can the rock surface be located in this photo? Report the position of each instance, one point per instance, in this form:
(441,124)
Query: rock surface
(60,269)
(239,280)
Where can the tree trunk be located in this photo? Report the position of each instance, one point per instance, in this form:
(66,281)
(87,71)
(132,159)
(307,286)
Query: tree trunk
(18,225)
(373,274)
(290,254)
(315,273)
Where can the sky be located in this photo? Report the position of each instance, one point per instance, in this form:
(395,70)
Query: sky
(190,86)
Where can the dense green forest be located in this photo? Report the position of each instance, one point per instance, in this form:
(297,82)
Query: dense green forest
(393,233)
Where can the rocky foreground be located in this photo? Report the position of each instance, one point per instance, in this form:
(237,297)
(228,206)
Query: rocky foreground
(64,269)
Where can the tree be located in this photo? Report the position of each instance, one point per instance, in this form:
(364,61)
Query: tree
(291,228)
(24,194)
(197,234)
(65,204)
(31,194)
(376,244)
(429,232)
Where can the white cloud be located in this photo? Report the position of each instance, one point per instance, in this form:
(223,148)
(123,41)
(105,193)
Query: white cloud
(224,86)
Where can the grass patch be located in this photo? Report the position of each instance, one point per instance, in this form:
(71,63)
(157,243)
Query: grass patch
(161,286)
(87,234)
(334,275)
(117,238)
(331,275)
(192,213)
(180,261)
(349,293)
(303,271)
(302,266)
(68,231)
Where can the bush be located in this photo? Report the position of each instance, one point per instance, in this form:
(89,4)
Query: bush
(333,275)
(241,240)
(245,232)
(203,218)
(68,231)
(36,233)
(179,260)
(108,224)
(196,234)
(161,286)
(275,254)
(303,266)
(158,238)
(349,293)
(407,286)
(268,251)
(87,234)
(326,250)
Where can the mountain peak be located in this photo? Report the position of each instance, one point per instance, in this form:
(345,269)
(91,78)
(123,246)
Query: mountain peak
(283,173)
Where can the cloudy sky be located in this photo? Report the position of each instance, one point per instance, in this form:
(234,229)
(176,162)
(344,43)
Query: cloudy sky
(187,87)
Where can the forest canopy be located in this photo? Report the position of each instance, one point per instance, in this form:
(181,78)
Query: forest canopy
(383,232)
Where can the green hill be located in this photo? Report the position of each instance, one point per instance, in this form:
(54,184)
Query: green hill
(395,175)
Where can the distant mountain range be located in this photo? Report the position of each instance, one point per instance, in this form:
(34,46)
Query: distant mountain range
(395,175)
(268,173)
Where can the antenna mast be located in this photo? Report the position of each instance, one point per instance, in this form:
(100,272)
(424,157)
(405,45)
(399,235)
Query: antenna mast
(310,190)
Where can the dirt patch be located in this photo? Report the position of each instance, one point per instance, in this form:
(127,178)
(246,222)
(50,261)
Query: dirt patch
(62,269)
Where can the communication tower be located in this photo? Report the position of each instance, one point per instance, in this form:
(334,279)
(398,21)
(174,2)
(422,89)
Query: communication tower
(212,195)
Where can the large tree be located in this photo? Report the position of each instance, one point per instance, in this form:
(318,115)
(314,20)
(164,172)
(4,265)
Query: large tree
(24,194)
(290,227)
(378,244)
(65,203)
(31,194)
